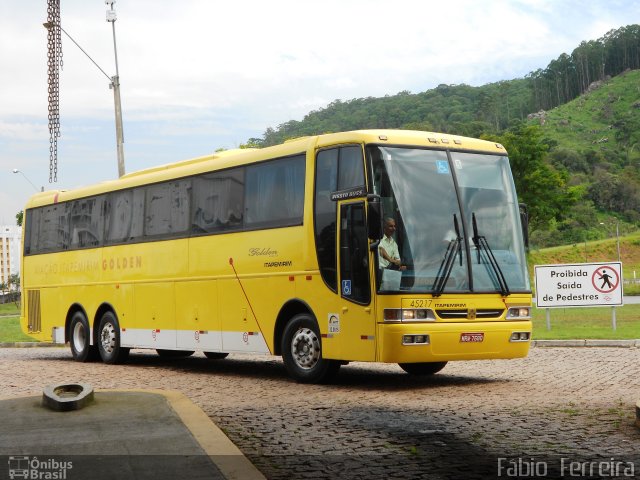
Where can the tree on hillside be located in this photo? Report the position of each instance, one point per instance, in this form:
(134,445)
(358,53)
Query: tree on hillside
(19,218)
(543,188)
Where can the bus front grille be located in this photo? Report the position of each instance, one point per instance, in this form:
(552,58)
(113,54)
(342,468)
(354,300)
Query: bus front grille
(33,308)
(481,313)
(452,314)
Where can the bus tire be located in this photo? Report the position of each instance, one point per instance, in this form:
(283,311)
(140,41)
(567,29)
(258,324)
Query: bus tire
(426,368)
(80,339)
(216,355)
(109,340)
(302,352)
(174,353)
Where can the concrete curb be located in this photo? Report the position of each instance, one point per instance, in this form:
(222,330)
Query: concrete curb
(224,453)
(587,343)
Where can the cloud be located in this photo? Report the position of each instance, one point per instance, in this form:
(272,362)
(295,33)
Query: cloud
(24,131)
(196,75)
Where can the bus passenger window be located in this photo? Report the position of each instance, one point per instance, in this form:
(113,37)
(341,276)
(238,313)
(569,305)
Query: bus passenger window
(218,201)
(351,168)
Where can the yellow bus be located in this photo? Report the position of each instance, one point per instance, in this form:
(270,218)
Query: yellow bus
(281,251)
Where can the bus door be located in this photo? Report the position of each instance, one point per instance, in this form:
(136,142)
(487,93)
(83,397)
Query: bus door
(356,319)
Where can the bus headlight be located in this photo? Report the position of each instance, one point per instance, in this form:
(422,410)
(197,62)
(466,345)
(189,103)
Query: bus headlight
(519,313)
(409,315)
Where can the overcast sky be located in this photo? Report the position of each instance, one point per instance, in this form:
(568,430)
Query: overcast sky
(197,75)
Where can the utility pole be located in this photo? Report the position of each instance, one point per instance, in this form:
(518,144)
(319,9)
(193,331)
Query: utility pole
(53,25)
(115,84)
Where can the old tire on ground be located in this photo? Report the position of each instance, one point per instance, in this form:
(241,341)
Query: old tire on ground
(302,352)
(109,340)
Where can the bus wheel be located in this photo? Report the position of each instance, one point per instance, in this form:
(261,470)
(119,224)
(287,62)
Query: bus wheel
(174,353)
(302,352)
(109,340)
(80,339)
(427,368)
(216,355)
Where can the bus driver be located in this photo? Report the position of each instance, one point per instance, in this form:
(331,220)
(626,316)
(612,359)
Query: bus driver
(388,249)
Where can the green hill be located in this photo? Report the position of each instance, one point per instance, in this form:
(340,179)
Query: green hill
(587,105)
(605,119)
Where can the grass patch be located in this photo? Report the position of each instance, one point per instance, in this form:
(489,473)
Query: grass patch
(9,309)
(587,323)
(10,330)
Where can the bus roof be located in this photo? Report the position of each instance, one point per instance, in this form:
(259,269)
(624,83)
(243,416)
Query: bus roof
(229,158)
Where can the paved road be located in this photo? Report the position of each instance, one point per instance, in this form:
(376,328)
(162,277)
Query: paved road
(377,422)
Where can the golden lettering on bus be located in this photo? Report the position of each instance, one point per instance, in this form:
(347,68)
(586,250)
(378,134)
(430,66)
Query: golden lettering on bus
(122,263)
(47,268)
(262,252)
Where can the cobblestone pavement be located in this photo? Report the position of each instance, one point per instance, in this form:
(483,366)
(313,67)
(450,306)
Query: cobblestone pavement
(376,421)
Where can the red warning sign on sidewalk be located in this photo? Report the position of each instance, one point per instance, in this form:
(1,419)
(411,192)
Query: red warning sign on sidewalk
(578,285)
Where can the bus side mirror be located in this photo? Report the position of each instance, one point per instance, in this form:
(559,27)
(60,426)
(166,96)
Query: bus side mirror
(524,221)
(374,217)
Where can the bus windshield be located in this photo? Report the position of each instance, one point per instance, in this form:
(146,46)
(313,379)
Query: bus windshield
(457,221)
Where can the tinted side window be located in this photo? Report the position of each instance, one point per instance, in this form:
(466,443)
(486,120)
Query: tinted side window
(218,201)
(54,228)
(86,222)
(354,253)
(325,214)
(351,168)
(167,208)
(336,169)
(31,230)
(125,215)
(274,193)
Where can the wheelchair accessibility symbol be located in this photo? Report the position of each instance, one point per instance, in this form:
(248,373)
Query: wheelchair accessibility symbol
(442,167)
(346,288)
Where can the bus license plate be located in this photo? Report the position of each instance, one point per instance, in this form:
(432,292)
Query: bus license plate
(472,337)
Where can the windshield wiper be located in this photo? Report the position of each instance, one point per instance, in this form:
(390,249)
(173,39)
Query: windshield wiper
(482,246)
(453,249)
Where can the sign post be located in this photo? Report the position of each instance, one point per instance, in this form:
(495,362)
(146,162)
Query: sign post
(579,285)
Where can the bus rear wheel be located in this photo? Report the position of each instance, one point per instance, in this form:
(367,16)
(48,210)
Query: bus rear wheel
(302,352)
(80,339)
(109,340)
(426,368)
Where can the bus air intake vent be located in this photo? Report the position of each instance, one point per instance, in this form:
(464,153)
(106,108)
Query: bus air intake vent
(452,314)
(489,312)
(33,309)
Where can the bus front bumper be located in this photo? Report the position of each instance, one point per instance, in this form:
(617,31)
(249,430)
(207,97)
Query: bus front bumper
(439,342)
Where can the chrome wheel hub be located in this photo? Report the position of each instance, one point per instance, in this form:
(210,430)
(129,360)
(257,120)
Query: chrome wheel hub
(108,338)
(305,348)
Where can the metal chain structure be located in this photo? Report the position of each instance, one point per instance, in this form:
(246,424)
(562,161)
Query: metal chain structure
(54,63)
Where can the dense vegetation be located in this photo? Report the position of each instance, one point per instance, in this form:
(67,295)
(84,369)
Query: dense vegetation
(576,165)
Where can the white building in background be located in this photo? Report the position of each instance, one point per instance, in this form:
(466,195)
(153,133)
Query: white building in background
(10,240)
